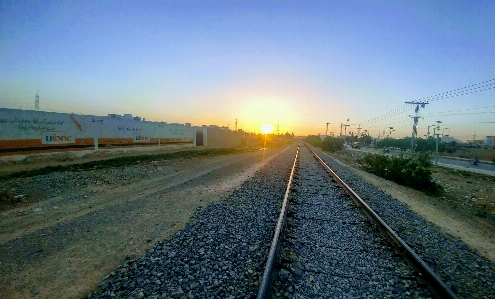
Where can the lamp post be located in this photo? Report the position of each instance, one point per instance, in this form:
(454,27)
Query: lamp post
(345,132)
(443,131)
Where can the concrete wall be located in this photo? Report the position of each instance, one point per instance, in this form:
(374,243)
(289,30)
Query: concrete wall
(222,137)
(28,131)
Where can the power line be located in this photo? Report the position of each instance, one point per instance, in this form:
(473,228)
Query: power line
(487,112)
(449,94)
(458,110)
(468,91)
(432,114)
(383,115)
(440,94)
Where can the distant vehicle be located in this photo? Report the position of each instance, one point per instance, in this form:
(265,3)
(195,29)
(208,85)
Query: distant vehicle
(356,145)
(386,150)
(475,161)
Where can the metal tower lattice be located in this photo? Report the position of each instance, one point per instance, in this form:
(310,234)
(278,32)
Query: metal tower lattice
(37,102)
(415,118)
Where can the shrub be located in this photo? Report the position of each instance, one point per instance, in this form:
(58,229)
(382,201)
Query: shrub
(332,144)
(410,172)
(314,140)
(7,198)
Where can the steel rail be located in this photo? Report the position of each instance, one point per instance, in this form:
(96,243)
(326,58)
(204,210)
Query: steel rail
(266,284)
(435,283)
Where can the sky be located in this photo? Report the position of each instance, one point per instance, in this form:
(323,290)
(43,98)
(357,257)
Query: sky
(297,65)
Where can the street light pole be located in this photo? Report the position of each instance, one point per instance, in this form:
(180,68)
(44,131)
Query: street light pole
(345,132)
(443,131)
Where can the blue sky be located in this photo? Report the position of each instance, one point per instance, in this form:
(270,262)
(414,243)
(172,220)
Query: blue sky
(299,63)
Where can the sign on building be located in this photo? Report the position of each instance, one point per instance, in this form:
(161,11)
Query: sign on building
(141,138)
(57,138)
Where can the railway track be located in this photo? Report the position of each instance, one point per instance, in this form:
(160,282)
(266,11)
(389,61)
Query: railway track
(328,248)
(328,243)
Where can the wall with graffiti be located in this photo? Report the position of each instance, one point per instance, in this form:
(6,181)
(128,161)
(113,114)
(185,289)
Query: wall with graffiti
(27,131)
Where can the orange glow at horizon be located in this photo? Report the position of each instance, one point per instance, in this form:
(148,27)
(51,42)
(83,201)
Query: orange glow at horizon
(266,128)
(256,114)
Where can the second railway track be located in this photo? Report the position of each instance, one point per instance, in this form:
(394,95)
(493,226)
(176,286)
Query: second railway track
(330,249)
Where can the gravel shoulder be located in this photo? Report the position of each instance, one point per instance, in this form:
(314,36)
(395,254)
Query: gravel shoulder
(85,224)
(452,218)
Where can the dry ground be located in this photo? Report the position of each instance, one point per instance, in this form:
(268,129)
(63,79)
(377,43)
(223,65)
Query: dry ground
(487,154)
(466,210)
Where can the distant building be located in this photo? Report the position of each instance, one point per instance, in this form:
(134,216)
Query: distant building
(476,142)
(449,139)
(490,140)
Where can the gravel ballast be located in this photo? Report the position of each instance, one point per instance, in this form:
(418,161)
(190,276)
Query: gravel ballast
(218,255)
(467,273)
(332,250)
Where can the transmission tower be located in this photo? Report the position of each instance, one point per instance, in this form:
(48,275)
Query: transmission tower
(37,102)
(278,127)
(415,118)
(236,124)
(326,133)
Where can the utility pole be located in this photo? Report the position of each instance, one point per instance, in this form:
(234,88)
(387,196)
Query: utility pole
(326,133)
(236,124)
(415,118)
(359,130)
(278,127)
(437,129)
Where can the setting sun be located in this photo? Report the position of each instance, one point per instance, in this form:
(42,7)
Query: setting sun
(266,128)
